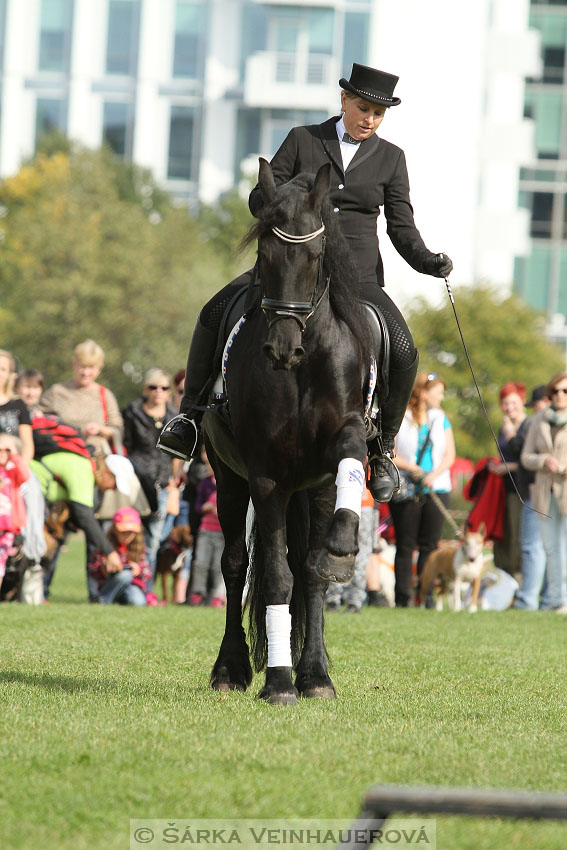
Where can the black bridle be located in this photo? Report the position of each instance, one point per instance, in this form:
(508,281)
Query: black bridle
(301,311)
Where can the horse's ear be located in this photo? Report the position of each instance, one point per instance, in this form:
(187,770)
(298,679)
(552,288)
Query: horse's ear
(266,181)
(321,186)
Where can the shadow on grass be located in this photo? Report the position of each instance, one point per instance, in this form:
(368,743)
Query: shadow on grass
(82,684)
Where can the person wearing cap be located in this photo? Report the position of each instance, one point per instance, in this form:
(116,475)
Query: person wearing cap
(125,582)
(538,399)
(368,174)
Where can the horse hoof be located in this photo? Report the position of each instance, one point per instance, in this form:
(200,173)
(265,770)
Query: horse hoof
(320,692)
(339,568)
(274,698)
(225,687)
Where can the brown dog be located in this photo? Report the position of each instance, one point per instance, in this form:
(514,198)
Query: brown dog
(56,515)
(171,555)
(454,564)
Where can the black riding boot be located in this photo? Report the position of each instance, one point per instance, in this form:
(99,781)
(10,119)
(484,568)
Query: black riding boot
(180,436)
(384,476)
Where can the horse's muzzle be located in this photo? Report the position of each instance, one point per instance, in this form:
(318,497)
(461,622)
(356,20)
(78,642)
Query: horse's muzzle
(283,359)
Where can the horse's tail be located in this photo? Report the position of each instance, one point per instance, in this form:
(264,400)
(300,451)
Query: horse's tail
(297,522)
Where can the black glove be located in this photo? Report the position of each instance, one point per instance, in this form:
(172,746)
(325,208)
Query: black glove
(438,265)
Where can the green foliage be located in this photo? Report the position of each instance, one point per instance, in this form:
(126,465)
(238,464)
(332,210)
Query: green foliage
(93,248)
(505,341)
(224,225)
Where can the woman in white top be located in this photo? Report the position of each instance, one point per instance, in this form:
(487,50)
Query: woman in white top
(425,449)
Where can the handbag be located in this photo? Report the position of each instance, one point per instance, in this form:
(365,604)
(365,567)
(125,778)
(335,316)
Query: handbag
(408,486)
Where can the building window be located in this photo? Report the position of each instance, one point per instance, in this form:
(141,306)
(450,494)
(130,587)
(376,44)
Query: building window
(2,32)
(355,40)
(180,157)
(542,214)
(548,109)
(302,40)
(189,34)
(122,37)
(117,127)
(55,35)
(50,116)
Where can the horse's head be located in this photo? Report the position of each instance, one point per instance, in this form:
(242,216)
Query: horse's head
(291,243)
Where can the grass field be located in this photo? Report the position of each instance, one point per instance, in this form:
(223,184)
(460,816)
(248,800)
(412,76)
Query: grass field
(107,715)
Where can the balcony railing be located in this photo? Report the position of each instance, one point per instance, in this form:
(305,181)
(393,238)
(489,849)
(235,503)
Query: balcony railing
(291,80)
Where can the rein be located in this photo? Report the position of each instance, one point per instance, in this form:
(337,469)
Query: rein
(275,309)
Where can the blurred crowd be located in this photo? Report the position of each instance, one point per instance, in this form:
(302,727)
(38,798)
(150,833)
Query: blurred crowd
(72,460)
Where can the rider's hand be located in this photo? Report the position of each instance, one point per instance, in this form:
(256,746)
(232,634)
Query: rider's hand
(438,265)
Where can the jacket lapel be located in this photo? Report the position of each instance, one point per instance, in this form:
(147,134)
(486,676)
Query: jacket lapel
(328,133)
(365,149)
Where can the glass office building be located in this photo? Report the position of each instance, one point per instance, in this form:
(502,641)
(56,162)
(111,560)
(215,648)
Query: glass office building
(541,277)
(188,88)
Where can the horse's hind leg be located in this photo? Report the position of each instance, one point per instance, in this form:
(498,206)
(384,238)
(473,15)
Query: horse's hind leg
(312,679)
(232,670)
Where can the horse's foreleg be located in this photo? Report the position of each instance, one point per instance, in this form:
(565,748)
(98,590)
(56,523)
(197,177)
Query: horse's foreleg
(312,679)
(232,670)
(270,506)
(336,561)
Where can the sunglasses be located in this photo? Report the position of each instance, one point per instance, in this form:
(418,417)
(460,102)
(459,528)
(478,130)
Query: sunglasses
(558,390)
(155,387)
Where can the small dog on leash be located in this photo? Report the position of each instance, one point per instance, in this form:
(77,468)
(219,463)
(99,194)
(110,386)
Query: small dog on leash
(458,562)
(57,514)
(171,555)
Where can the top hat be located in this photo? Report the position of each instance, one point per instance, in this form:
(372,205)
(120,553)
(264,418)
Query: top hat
(537,394)
(370,84)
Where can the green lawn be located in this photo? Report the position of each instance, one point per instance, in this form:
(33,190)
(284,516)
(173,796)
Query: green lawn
(107,715)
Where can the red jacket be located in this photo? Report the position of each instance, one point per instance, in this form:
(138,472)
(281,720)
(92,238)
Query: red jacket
(12,476)
(488,493)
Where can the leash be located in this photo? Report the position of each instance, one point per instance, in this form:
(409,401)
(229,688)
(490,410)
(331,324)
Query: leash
(509,473)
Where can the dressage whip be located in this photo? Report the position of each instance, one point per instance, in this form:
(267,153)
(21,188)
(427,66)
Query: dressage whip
(452,300)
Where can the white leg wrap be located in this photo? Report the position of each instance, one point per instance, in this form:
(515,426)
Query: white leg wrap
(350,485)
(278,629)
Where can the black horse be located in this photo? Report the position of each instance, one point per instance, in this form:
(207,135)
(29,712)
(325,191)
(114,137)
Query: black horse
(296,381)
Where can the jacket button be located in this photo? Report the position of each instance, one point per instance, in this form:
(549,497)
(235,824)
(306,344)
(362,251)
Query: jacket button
(341,186)
(336,209)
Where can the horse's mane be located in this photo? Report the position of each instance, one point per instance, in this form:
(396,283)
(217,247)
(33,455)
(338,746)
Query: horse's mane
(339,263)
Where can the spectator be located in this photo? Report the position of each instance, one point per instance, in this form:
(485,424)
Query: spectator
(425,450)
(511,436)
(545,452)
(353,594)
(13,473)
(206,567)
(143,420)
(531,544)
(125,582)
(68,476)
(85,404)
(14,416)
(29,387)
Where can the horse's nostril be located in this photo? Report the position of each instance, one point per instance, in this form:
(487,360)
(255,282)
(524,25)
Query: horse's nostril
(299,351)
(268,350)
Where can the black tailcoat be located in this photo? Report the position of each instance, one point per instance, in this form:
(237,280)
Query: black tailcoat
(377,176)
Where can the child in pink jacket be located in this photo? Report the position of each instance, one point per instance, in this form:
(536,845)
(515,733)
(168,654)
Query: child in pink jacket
(13,473)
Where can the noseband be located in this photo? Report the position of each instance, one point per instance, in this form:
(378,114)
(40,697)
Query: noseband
(301,311)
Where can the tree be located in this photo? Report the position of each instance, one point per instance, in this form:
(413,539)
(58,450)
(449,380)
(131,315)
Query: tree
(223,226)
(505,340)
(92,248)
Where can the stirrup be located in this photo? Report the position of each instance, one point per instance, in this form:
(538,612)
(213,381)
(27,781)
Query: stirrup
(172,443)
